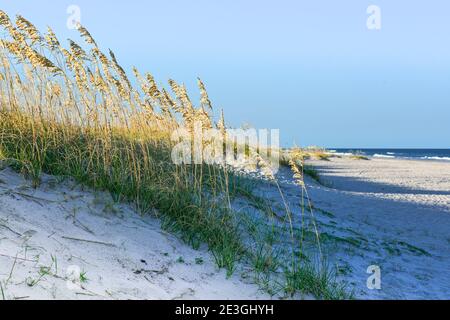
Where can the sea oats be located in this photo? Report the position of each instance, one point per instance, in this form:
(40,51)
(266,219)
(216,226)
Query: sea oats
(89,122)
(38,60)
(119,69)
(185,98)
(77,51)
(262,164)
(26,26)
(86,35)
(14,33)
(81,76)
(120,89)
(139,78)
(105,63)
(11,47)
(5,21)
(204,95)
(90,76)
(70,59)
(297,173)
(221,122)
(51,39)
(152,88)
(17,36)
(202,117)
(100,83)
(56,89)
(169,101)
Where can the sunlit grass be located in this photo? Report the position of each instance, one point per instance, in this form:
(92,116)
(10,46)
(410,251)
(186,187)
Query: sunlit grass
(74,112)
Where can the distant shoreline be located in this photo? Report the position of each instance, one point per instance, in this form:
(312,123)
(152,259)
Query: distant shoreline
(439,155)
(404,158)
(407,154)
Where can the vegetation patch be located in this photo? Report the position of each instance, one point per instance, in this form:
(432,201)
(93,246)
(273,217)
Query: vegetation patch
(74,112)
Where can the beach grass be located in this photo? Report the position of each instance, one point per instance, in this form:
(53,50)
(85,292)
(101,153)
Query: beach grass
(74,112)
(358,157)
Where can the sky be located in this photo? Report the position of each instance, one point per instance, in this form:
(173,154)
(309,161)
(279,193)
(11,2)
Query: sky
(312,69)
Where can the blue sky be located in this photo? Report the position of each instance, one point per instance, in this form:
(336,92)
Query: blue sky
(310,68)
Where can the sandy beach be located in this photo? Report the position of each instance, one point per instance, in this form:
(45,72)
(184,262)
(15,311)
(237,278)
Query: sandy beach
(62,241)
(391,213)
(395,214)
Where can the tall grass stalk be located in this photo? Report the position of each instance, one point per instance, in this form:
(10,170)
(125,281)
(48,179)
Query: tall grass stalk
(74,111)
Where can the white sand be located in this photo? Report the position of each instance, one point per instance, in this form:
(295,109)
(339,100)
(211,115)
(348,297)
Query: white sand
(128,256)
(393,207)
(390,213)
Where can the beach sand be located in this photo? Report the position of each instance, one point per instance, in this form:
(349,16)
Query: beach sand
(53,237)
(395,214)
(386,212)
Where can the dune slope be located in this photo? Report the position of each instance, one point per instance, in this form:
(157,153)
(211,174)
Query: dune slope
(63,242)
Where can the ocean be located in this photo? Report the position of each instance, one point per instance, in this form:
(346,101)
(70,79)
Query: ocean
(416,154)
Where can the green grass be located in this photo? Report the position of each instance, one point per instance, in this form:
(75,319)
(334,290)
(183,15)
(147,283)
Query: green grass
(265,260)
(83,277)
(312,172)
(70,112)
(180,260)
(187,209)
(323,156)
(396,248)
(159,184)
(358,157)
(414,249)
(300,275)
(306,279)
(344,269)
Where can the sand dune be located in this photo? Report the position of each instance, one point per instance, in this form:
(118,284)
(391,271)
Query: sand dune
(391,213)
(63,242)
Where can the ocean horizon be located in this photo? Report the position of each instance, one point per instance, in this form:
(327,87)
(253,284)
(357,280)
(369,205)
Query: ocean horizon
(392,153)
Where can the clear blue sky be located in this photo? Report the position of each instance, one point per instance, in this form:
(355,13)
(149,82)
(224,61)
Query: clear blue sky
(310,68)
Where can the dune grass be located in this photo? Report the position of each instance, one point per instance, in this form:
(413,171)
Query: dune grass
(358,157)
(73,112)
(312,172)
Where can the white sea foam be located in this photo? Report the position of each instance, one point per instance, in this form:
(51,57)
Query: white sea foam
(383,156)
(342,153)
(436,158)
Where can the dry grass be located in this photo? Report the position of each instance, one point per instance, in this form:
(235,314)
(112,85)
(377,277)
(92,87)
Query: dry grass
(358,157)
(307,154)
(75,112)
